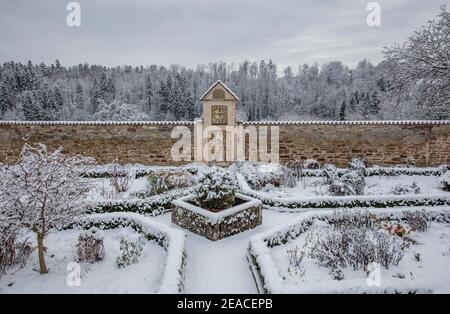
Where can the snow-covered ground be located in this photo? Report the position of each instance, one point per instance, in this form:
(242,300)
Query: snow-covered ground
(101,277)
(221,266)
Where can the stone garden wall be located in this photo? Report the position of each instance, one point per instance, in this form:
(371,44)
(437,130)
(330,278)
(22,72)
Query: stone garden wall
(383,143)
(148,143)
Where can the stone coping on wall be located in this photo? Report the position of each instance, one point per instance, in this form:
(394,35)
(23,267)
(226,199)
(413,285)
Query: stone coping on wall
(96,122)
(362,122)
(303,122)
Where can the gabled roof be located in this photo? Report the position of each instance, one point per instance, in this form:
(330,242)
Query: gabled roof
(223,85)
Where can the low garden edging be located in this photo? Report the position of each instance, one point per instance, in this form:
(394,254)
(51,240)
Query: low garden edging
(170,239)
(267,275)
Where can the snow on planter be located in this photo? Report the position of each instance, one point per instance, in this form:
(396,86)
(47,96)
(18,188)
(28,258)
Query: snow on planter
(245,215)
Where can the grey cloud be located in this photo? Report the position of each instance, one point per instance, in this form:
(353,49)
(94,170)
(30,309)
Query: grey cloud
(188,32)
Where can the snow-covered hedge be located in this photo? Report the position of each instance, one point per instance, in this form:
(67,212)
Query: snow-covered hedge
(104,170)
(154,206)
(265,271)
(444,181)
(172,240)
(299,204)
(386,171)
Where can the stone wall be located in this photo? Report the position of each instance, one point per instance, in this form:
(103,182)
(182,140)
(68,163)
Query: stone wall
(383,143)
(148,143)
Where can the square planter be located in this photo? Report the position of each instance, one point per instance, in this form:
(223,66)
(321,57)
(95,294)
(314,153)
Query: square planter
(216,226)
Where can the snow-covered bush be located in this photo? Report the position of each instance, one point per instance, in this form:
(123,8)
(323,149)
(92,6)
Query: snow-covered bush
(330,173)
(417,220)
(402,189)
(352,182)
(358,165)
(161,182)
(256,178)
(131,246)
(443,168)
(444,181)
(13,251)
(90,246)
(44,192)
(215,189)
(121,176)
(311,164)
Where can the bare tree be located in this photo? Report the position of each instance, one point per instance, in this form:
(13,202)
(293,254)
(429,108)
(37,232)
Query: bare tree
(43,192)
(418,70)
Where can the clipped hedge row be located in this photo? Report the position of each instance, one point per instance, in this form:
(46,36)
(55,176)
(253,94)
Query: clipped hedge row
(154,206)
(386,171)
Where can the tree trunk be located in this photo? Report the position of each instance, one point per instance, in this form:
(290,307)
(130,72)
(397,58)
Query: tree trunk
(42,265)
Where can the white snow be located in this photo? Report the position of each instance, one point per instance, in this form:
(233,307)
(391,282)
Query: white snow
(221,266)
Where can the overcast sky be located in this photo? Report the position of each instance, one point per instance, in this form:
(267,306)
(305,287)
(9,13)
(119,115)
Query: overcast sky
(188,32)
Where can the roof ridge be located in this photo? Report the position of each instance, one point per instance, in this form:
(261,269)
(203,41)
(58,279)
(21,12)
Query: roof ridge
(214,85)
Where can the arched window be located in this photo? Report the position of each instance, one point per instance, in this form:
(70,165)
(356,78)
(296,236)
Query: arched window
(218,94)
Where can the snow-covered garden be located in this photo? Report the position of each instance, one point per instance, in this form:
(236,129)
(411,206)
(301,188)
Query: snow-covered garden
(71,226)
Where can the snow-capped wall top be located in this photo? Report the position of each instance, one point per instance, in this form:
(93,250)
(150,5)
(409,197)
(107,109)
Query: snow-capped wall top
(305,122)
(363,122)
(99,122)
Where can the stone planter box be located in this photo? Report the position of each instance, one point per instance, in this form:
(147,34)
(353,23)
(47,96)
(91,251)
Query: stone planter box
(216,226)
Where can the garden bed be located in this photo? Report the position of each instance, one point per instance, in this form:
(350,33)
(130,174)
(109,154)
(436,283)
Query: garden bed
(160,268)
(300,203)
(423,268)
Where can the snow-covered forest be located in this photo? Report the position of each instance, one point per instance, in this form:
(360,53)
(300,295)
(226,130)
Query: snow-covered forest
(412,82)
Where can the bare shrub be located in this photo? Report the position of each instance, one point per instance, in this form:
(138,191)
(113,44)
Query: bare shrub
(298,171)
(417,220)
(295,258)
(347,218)
(131,249)
(402,189)
(356,246)
(121,177)
(90,247)
(13,251)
